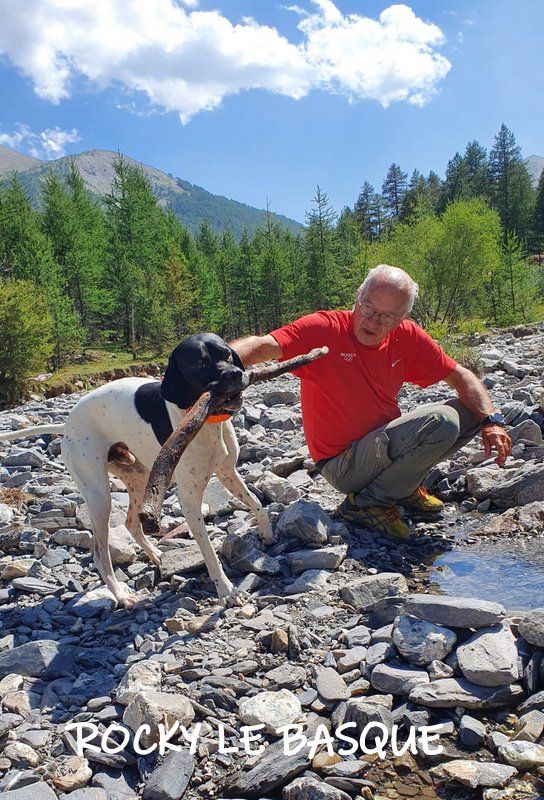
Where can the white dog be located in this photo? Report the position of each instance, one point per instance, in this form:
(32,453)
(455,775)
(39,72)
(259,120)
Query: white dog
(119,429)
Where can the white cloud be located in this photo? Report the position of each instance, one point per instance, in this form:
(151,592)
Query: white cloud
(188,61)
(49,143)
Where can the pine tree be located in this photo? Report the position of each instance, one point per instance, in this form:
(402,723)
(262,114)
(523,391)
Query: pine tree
(513,194)
(393,190)
(456,184)
(364,212)
(537,228)
(321,249)
(135,268)
(478,174)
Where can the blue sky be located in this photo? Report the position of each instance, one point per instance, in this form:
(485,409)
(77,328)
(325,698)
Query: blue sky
(413,87)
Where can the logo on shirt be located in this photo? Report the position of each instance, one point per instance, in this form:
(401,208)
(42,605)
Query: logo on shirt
(348,357)
(395,362)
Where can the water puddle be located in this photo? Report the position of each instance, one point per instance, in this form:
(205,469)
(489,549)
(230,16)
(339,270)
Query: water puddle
(510,572)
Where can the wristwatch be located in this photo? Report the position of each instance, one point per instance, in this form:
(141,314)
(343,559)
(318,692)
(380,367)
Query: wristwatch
(496,418)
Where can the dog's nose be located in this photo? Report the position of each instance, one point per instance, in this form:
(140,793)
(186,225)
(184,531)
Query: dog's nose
(229,378)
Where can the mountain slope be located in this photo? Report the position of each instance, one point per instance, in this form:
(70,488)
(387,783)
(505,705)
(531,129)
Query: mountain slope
(12,161)
(535,165)
(191,204)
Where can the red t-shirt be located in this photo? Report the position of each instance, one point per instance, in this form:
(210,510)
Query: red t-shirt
(354,388)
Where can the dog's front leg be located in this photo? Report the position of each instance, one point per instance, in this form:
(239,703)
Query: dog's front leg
(191,502)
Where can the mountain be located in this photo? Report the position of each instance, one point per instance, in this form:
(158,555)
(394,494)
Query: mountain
(191,204)
(535,165)
(12,161)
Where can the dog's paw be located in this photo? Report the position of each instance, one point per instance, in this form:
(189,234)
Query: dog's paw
(125,597)
(234,598)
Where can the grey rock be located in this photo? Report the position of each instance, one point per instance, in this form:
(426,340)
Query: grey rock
(452,692)
(218,499)
(92,604)
(271,709)
(276,489)
(313,580)
(476,773)
(362,712)
(331,685)
(522,755)
(34,791)
(531,627)
(30,585)
(457,612)
(170,780)
(421,642)
(365,592)
(517,488)
(527,430)
(244,554)
(490,657)
(472,732)
(273,770)
(535,701)
(530,727)
(40,659)
(89,793)
(288,675)
(182,559)
(325,558)
(310,788)
(398,680)
(305,521)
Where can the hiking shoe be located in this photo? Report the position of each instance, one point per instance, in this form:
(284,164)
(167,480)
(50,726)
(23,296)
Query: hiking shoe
(422,502)
(383,519)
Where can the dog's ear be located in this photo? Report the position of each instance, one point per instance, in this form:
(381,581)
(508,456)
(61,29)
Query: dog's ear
(237,360)
(174,386)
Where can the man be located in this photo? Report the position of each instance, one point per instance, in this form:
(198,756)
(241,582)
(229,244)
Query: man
(361,443)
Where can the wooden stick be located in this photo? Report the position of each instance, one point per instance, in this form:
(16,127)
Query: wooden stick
(172,450)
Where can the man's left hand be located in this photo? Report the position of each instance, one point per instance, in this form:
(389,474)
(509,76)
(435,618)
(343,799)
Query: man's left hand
(495,437)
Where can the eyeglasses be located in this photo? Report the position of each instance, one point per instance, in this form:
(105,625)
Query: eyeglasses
(386,318)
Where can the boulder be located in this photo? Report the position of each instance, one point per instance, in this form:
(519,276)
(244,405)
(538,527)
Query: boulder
(452,692)
(490,657)
(421,642)
(455,612)
(365,592)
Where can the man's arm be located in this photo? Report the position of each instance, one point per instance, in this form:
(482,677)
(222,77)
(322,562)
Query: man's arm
(473,394)
(254,349)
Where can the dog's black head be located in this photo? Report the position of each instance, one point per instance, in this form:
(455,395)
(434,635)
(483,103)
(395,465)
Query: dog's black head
(200,363)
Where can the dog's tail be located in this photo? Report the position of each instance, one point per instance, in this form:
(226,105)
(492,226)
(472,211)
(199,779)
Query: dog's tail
(38,430)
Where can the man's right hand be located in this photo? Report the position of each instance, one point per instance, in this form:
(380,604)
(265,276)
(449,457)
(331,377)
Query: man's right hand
(495,437)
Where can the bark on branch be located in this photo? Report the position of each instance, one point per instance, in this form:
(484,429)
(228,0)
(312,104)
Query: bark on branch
(172,450)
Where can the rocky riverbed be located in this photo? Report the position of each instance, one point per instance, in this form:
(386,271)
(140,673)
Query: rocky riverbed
(341,626)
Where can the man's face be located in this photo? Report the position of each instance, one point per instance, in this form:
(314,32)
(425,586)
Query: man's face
(377,312)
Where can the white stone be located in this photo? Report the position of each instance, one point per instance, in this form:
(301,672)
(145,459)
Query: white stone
(271,709)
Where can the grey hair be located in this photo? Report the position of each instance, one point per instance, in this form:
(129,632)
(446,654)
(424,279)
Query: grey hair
(392,276)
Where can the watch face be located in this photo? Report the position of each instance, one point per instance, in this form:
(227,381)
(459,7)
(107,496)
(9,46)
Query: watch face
(497,418)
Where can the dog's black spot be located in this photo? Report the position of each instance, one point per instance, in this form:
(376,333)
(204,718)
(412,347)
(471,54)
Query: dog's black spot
(151,407)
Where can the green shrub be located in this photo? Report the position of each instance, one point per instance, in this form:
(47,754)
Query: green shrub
(25,337)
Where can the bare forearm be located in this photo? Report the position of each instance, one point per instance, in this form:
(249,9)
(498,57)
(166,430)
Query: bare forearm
(254,349)
(472,393)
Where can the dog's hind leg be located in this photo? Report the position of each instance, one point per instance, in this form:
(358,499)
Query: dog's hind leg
(90,475)
(134,476)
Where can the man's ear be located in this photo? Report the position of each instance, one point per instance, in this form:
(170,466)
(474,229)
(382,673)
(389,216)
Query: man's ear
(237,360)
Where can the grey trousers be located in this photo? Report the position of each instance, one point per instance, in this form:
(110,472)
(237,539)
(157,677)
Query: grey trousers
(389,463)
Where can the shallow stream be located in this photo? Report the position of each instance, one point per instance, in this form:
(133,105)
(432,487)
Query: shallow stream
(508,571)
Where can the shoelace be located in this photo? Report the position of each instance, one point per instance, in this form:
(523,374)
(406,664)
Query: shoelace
(391,514)
(422,492)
